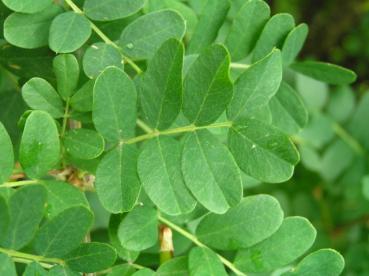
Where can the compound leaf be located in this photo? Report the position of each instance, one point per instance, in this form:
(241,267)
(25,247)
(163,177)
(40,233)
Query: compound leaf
(6,156)
(207,86)
(51,239)
(68,32)
(39,94)
(117,183)
(91,257)
(159,168)
(139,229)
(114,105)
(203,261)
(142,38)
(161,87)
(210,172)
(253,220)
(39,150)
(66,70)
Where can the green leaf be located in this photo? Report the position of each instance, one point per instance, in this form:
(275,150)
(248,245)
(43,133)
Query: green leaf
(246,28)
(122,270)
(68,32)
(30,30)
(144,272)
(256,86)
(273,34)
(117,184)
(66,70)
(99,56)
(324,262)
(295,236)
(262,151)
(34,269)
(27,6)
(62,271)
(211,19)
(84,143)
(325,72)
(341,103)
(253,220)
(203,261)
(91,257)
(61,196)
(7,266)
(114,105)
(159,169)
(26,209)
(288,110)
(161,87)
(207,87)
(4,218)
(294,42)
(210,172)
(357,125)
(139,229)
(51,240)
(103,11)
(39,94)
(6,156)
(174,267)
(83,98)
(142,38)
(39,150)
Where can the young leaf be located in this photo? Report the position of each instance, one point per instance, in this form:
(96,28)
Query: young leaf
(39,150)
(262,151)
(324,262)
(26,209)
(27,6)
(159,168)
(68,32)
(210,172)
(176,266)
(325,72)
(30,30)
(91,257)
(7,266)
(83,98)
(207,86)
(161,87)
(288,110)
(246,28)
(253,220)
(61,196)
(276,251)
(139,229)
(294,42)
(203,261)
(103,11)
(39,94)
(34,269)
(142,38)
(117,183)
(51,241)
(84,143)
(114,105)
(256,86)
(4,218)
(273,34)
(99,56)
(210,21)
(6,156)
(66,70)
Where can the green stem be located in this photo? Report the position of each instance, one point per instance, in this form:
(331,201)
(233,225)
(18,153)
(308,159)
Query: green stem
(65,118)
(144,126)
(189,128)
(18,183)
(194,239)
(348,139)
(106,39)
(27,258)
(239,66)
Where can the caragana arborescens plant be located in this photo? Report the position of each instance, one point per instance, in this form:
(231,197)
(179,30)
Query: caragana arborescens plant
(132,129)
